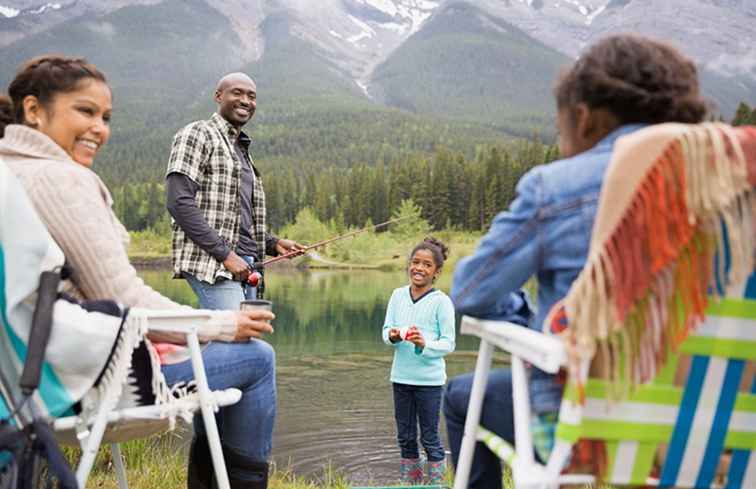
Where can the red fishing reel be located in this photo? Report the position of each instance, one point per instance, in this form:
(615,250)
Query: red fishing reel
(254,278)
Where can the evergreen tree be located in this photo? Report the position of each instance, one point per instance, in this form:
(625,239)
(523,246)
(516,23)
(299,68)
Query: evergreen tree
(744,115)
(412,223)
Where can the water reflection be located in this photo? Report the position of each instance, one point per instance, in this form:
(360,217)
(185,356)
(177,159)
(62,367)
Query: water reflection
(335,404)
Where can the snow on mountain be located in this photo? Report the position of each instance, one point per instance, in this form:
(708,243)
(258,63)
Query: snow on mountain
(8,12)
(589,17)
(44,8)
(723,42)
(385,18)
(383,5)
(27,17)
(357,35)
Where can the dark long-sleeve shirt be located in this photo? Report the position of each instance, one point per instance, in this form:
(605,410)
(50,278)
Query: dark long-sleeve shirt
(180,198)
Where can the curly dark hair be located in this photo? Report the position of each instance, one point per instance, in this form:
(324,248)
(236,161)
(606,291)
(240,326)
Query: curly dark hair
(438,249)
(637,79)
(44,77)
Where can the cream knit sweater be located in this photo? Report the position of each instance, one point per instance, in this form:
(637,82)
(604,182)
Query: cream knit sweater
(76,207)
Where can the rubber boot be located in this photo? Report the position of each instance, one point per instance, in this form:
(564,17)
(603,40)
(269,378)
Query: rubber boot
(436,472)
(245,472)
(199,473)
(411,471)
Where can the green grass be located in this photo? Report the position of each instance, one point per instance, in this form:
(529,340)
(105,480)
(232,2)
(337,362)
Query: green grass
(158,462)
(148,243)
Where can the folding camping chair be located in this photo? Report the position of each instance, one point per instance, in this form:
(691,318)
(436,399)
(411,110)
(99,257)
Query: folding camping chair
(25,249)
(687,420)
(108,422)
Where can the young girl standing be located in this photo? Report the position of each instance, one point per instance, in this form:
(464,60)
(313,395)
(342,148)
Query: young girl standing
(420,326)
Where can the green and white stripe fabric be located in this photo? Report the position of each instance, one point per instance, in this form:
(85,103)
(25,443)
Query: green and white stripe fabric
(500,447)
(695,422)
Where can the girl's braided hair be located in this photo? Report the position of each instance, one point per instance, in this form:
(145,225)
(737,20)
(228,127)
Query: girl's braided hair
(44,77)
(438,249)
(637,79)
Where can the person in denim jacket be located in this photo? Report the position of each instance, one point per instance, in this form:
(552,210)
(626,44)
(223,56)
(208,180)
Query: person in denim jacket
(617,86)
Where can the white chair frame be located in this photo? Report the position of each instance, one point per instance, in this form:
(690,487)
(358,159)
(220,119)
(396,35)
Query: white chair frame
(525,345)
(208,402)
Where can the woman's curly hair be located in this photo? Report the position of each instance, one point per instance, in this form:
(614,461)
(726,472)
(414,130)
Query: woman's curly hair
(637,79)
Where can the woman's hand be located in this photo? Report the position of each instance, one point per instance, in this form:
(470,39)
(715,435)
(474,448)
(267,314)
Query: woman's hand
(415,336)
(253,324)
(394,335)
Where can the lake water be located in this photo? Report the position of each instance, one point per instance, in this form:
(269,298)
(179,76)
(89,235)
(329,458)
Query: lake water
(335,405)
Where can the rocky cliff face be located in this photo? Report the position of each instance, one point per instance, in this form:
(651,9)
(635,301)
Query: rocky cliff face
(357,36)
(20,18)
(719,34)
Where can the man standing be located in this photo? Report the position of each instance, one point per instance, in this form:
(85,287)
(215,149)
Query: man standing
(216,198)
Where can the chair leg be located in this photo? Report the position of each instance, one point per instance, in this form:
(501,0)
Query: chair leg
(90,445)
(521,405)
(208,416)
(474,408)
(120,468)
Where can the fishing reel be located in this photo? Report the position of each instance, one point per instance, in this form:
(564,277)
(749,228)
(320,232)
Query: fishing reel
(255,277)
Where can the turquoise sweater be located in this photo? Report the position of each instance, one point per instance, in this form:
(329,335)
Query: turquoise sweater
(433,314)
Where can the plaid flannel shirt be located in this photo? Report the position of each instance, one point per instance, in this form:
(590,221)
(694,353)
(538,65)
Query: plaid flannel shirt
(203,151)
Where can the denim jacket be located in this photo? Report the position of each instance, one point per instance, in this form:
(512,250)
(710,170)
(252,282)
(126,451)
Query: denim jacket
(546,232)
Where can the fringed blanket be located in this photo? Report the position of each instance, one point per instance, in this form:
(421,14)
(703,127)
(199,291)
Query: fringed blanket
(674,226)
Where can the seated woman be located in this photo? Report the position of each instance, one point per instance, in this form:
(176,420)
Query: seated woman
(62,108)
(617,86)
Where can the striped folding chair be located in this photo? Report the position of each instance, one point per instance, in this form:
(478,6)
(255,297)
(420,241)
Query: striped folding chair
(681,434)
(660,385)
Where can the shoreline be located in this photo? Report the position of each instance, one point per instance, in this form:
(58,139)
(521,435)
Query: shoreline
(148,261)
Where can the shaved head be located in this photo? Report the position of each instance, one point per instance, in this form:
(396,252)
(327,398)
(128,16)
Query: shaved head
(233,78)
(236,96)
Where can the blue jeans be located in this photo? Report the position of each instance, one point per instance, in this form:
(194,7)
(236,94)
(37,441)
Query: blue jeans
(413,403)
(246,426)
(224,293)
(496,416)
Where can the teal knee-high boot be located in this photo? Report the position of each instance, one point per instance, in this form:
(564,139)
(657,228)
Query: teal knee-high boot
(436,472)
(411,471)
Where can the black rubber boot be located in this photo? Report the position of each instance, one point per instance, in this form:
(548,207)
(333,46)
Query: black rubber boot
(244,472)
(199,473)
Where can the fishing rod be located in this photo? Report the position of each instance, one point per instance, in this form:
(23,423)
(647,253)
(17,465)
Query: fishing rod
(254,277)
(330,240)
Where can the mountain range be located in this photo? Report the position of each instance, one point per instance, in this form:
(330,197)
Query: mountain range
(481,68)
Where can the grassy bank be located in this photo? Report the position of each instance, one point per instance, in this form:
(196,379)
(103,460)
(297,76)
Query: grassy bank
(158,462)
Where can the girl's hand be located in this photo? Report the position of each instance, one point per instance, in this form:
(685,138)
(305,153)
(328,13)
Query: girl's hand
(394,335)
(415,336)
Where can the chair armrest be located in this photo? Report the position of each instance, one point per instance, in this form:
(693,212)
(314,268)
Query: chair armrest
(544,351)
(189,321)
